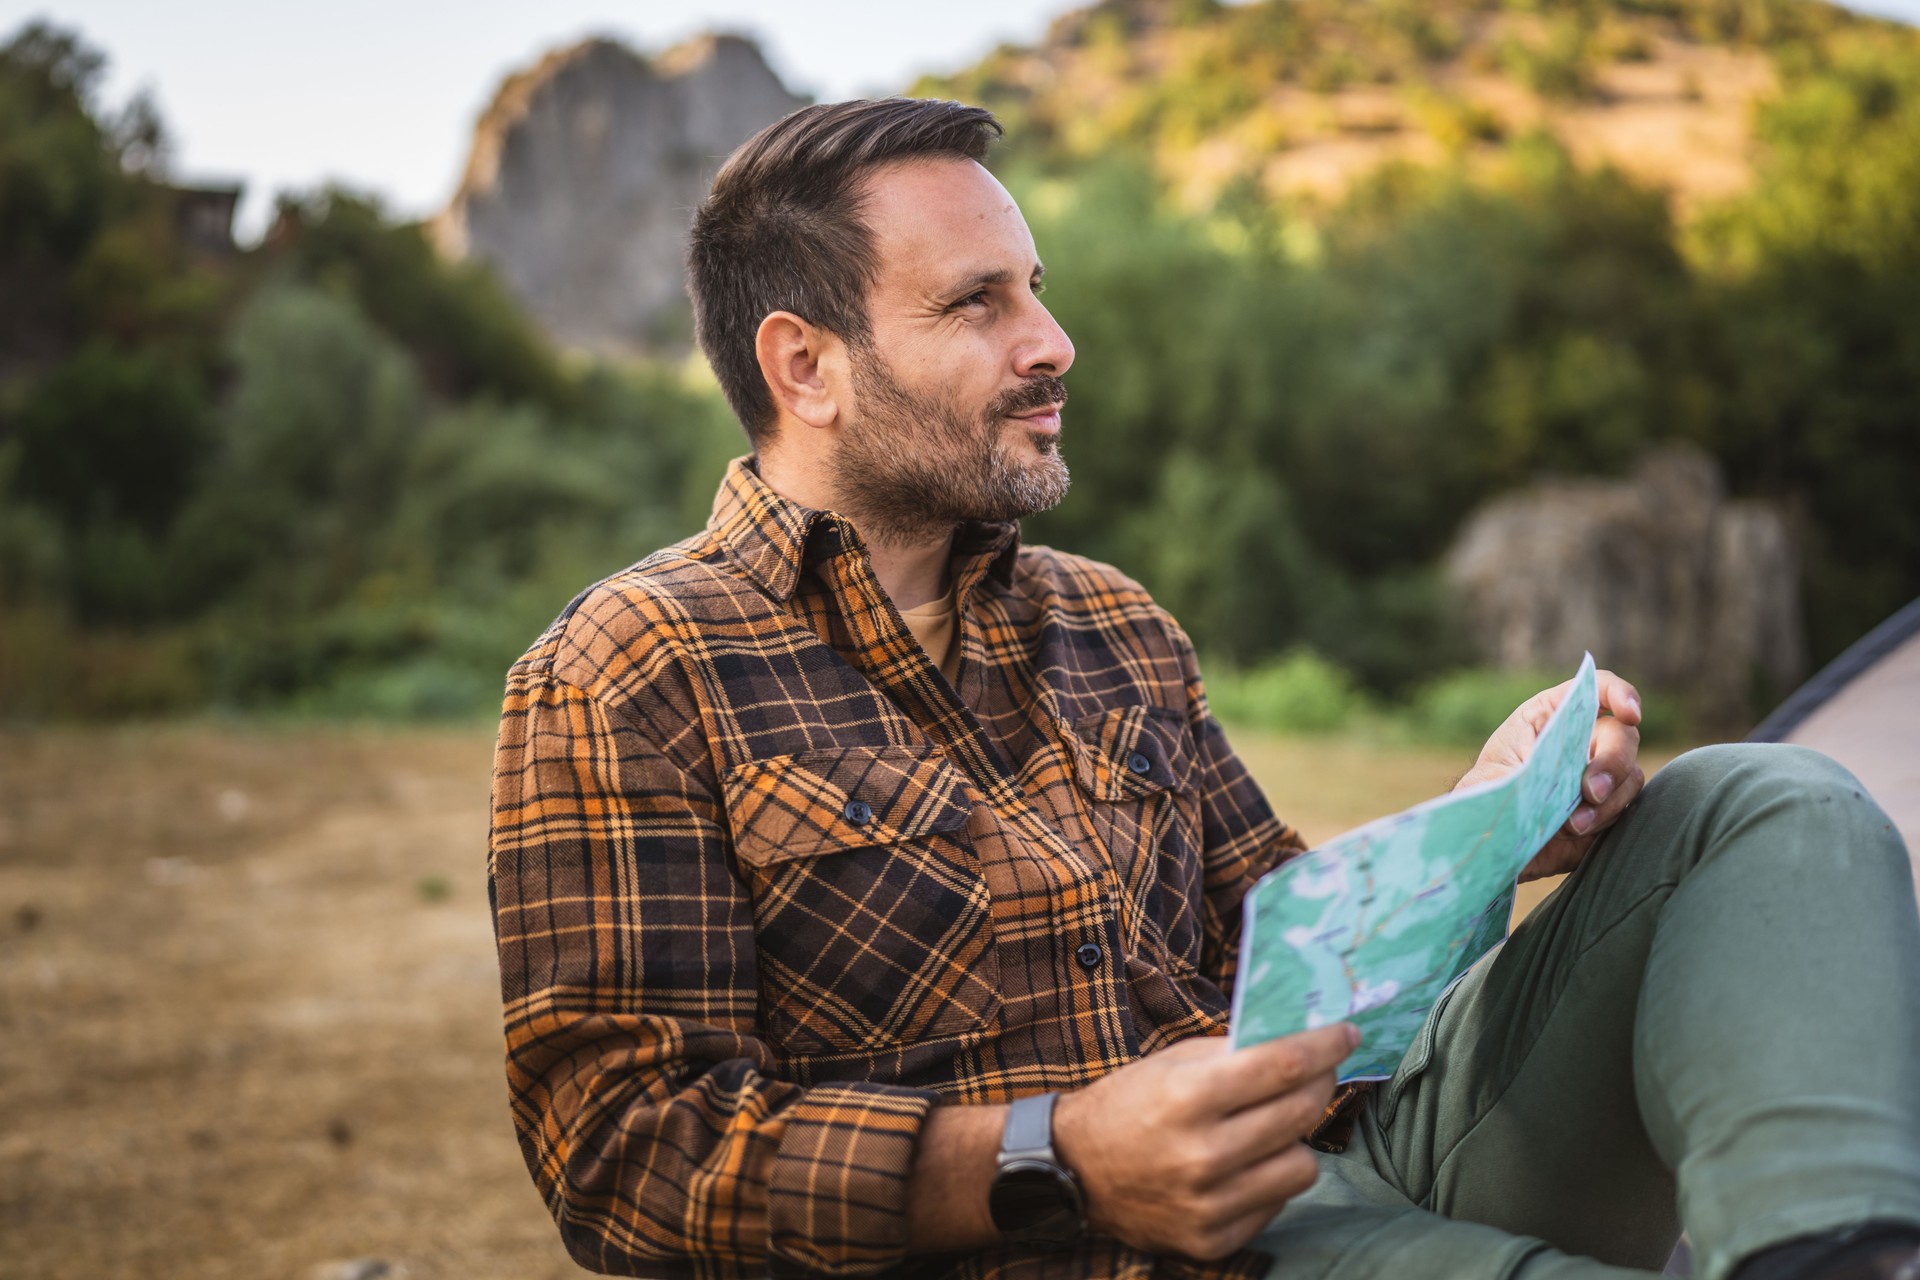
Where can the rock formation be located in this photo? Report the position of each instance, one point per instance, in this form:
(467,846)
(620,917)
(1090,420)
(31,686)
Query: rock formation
(1661,576)
(585,171)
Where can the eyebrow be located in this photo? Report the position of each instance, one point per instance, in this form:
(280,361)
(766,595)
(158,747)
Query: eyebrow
(984,278)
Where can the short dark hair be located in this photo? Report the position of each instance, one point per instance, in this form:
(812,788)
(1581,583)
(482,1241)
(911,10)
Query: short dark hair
(782,230)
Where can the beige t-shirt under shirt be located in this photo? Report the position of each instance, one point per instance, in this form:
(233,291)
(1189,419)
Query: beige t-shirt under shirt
(933,626)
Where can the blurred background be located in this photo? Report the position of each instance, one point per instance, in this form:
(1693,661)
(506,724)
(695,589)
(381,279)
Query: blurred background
(1423,344)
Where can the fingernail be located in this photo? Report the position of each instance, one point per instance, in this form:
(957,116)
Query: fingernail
(1353,1036)
(1633,704)
(1581,820)
(1599,784)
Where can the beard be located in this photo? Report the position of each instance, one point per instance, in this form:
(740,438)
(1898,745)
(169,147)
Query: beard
(910,468)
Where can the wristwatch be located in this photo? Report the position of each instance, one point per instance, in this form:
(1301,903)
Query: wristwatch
(1035,1199)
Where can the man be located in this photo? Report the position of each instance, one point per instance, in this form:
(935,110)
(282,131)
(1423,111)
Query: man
(867,884)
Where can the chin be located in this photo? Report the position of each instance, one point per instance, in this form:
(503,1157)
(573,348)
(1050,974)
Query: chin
(1047,442)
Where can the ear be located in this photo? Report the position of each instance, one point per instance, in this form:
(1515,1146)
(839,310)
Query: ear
(800,361)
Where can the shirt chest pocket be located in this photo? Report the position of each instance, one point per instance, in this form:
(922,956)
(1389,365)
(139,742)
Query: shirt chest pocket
(871,919)
(1134,766)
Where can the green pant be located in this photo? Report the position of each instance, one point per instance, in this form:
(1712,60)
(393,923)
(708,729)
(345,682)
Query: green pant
(1715,1023)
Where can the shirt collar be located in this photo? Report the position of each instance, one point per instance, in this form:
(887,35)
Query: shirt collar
(771,537)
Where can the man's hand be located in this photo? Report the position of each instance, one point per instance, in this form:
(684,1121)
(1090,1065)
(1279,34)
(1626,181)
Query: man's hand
(1613,777)
(1192,1149)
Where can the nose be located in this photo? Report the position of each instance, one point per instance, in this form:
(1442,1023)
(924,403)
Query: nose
(1044,347)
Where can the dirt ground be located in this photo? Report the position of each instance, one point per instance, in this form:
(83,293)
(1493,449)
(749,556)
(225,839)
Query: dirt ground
(249,1018)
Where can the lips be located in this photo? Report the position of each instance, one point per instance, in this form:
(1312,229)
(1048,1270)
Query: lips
(1037,402)
(1047,419)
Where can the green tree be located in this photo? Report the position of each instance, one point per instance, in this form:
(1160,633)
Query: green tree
(1814,274)
(466,334)
(60,178)
(112,445)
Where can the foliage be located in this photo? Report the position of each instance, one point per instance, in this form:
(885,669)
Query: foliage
(59,174)
(1291,442)
(1815,331)
(1560,63)
(111,444)
(1462,708)
(1287,410)
(377,553)
(1298,692)
(1301,693)
(1184,85)
(333,474)
(338,475)
(467,336)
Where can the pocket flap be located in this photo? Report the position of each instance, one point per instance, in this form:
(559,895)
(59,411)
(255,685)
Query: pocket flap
(797,806)
(1109,741)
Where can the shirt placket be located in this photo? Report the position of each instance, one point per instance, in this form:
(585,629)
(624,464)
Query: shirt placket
(1088,954)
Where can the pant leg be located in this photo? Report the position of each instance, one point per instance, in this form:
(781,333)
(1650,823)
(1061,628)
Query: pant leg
(1353,1224)
(1716,1019)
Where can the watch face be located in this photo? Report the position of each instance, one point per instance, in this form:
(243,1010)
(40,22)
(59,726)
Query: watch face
(1033,1200)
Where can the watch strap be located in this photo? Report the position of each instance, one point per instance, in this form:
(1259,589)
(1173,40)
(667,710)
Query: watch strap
(1034,1198)
(1029,1128)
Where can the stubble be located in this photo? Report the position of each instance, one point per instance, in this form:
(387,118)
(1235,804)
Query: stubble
(910,468)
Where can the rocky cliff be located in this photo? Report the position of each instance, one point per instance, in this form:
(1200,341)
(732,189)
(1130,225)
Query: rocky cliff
(1661,576)
(584,173)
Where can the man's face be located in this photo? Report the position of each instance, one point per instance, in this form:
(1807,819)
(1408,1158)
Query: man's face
(955,413)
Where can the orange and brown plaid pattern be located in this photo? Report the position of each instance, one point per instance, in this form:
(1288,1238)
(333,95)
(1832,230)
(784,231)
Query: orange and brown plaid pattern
(767,887)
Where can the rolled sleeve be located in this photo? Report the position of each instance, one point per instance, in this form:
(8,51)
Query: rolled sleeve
(837,1202)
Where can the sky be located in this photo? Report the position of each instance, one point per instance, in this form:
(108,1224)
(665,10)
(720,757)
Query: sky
(382,95)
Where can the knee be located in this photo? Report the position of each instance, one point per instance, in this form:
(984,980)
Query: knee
(1746,781)
(1772,768)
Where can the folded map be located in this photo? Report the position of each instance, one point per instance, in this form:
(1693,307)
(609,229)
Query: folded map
(1374,926)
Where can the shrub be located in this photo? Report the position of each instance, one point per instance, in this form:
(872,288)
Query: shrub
(1461,709)
(1559,66)
(52,669)
(1454,122)
(1300,692)
(426,688)
(112,437)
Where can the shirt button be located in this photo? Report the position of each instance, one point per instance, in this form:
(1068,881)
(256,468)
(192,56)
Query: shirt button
(1139,763)
(858,812)
(1088,955)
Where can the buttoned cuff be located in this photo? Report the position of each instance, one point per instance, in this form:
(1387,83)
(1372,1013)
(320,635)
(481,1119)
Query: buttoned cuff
(837,1202)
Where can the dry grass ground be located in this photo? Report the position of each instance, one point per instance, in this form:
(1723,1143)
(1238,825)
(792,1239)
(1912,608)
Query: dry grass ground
(248,1001)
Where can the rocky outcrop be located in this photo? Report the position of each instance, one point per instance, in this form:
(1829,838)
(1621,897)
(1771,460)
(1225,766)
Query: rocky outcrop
(585,171)
(1661,576)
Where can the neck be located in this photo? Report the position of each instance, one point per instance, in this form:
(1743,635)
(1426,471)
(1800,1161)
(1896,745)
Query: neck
(910,572)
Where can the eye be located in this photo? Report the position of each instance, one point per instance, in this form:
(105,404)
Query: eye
(1039,287)
(977,298)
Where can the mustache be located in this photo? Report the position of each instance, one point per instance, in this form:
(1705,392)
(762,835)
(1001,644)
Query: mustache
(1036,393)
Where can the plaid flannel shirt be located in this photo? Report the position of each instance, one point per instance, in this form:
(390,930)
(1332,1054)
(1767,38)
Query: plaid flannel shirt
(767,888)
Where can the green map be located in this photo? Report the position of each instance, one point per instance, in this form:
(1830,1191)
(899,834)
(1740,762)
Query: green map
(1374,926)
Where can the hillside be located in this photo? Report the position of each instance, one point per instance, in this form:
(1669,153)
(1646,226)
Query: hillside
(1301,96)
